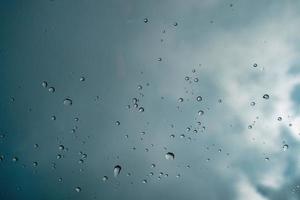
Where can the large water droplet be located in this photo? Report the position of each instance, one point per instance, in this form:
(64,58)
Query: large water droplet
(170,156)
(117,170)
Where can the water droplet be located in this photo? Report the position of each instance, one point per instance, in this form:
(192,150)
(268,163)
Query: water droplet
(144,181)
(80,161)
(51,89)
(250,127)
(36,146)
(187,78)
(175,24)
(267,159)
(266,96)
(58,156)
(104,178)
(134,100)
(35,164)
(252,103)
(53,117)
(180,100)
(82,79)
(196,79)
(172,136)
(200,112)
(182,136)
(170,156)
(199,98)
(279,118)
(78,189)
(146,20)
(61,147)
(44,84)
(15,159)
(140,87)
(159,59)
(117,170)
(178,176)
(68,102)
(141,109)
(153,165)
(59,179)
(285,147)
(118,123)
(254,65)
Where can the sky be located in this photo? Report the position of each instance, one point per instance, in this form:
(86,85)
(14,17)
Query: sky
(96,96)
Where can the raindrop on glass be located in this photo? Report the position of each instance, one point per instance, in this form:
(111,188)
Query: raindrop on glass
(78,189)
(266,96)
(44,84)
(68,102)
(199,98)
(170,156)
(51,89)
(141,109)
(117,170)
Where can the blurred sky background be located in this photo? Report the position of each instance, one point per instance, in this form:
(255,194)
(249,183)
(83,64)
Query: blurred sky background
(87,85)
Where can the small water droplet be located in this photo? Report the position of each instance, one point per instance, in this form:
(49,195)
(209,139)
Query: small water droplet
(159,59)
(51,89)
(146,20)
(118,123)
(172,136)
(279,118)
(252,103)
(78,189)
(141,109)
(187,78)
(44,84)
(15,159)
(170,156)
(117,170)
(82,79)
(175,24)
(104,178)
(266,96)
(199,98)
(153,165)
(285,147)
(200,112)
(180,100)
(61,147)
(53,117)
(196,79)
(35,164)
(144,181)
(254,65)
(68,102)
(140,87)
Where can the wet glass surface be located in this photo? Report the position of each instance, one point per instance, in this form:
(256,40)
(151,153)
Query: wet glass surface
(124,99)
